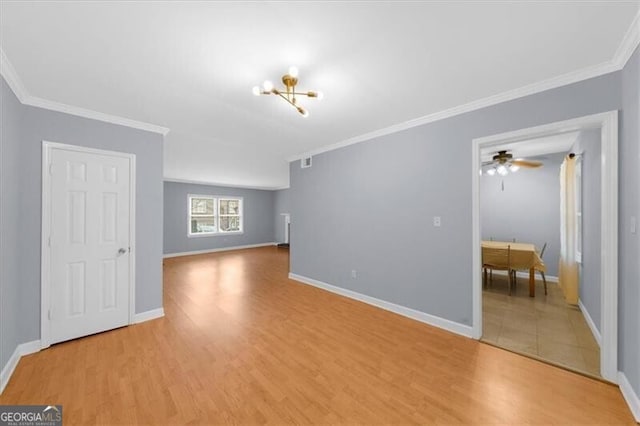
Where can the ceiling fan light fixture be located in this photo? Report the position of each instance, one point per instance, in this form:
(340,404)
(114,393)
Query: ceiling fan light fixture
(502,163)
(290,80)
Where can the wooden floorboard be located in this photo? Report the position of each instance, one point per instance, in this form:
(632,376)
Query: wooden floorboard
(242,344)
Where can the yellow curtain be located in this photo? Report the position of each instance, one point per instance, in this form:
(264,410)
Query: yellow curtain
(568,268)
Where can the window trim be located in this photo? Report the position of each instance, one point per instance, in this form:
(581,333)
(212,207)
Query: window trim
(216,215)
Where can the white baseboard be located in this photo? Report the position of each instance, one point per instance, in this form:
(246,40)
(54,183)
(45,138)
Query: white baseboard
(216,250)
(633,401)
(525,274)
(433,320)
(21,350)
(590,323)
(148,315)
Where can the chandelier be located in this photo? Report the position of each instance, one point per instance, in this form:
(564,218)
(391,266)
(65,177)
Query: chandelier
(290,80)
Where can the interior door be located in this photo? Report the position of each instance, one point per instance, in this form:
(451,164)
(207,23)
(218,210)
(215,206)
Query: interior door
(89,243)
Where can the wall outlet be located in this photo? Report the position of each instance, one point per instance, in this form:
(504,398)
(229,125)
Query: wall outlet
(436,221)
(354,273)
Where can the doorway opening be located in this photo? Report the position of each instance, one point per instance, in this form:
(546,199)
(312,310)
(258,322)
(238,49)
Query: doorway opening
(510,307)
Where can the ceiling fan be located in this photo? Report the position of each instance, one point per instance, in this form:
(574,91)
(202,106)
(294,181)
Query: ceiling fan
(502,163)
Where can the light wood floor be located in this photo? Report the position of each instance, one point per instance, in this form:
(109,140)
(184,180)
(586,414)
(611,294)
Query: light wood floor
(544,326)
(242,344)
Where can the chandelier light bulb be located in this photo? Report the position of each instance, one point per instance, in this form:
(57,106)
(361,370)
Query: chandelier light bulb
(319,95)
(289,93)
(502,170)
(513,168)
(491,171)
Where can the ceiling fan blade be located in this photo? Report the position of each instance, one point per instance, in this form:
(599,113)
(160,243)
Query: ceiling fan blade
(486,163)
(526,163)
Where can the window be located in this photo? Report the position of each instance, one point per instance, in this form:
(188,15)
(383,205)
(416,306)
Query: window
(209,215)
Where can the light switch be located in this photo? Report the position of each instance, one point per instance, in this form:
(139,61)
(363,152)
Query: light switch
(633,224)
(436,221)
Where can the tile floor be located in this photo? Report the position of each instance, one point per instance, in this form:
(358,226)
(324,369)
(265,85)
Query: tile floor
(544,327)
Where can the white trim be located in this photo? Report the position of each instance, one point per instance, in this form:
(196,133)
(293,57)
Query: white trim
(590,323)
(148,315)
(94,115)
(45,298)
(20,351)
(608,123)
(224,185)
(609,239)
(9,73)
(630,396)
(629,43)
(132,236)
(214,234)
(433,320)
(216,250)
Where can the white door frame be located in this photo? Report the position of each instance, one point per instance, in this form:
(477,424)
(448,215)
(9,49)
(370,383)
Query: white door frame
(45,265)
(608,123)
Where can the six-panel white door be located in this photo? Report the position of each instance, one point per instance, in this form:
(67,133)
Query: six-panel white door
(89,243)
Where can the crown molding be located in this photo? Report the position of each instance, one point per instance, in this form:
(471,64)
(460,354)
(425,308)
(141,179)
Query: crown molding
(11,77)
(15,83)
(95,115)
(629,43)
(224,185)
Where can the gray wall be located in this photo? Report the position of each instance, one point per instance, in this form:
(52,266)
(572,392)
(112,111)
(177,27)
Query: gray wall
(528,209)
(11,115)
(37,125)
(369,206)
(282,204)
(258,222)
(589,145)
(629,272)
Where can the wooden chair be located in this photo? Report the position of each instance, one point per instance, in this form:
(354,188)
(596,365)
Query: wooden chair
(499,260)
(544,279)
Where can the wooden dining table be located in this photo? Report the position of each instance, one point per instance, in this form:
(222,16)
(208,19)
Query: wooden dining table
(523,256)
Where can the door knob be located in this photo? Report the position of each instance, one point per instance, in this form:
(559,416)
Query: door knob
(122,251)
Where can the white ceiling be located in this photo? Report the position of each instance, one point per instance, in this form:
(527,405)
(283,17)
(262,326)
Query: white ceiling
(191,66)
